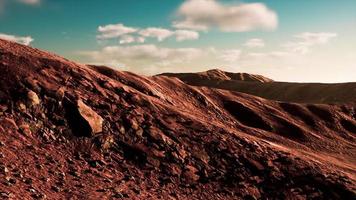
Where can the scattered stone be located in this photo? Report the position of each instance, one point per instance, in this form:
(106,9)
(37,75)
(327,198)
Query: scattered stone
(118,195)
(44,179)
(25,129)
(131,123)
(55,188)
(74,173)
(4,169)
(18,174)
(173,169)
(28,181)
(10,181)
(190,174)
(93,163)
(106,141)
(80,185)
(22,107)
(101,190)
(33,99)
(158,135)
(39,166)
(70,161)
(8,195)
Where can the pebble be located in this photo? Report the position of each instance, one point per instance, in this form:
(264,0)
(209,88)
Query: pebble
(55,188)
(4,169)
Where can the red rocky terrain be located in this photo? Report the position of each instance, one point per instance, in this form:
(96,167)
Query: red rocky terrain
(72,131)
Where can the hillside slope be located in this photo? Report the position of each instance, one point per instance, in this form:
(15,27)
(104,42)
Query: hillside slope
(281,91)
(217,75)
(69,130)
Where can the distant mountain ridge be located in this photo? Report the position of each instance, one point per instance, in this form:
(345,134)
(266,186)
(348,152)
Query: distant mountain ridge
(219,75)
(267,88)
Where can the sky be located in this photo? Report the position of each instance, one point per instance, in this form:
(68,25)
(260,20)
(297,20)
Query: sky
(286,40)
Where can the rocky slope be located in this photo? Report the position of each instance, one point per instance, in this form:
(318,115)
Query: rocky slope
(71,131)
(263,87)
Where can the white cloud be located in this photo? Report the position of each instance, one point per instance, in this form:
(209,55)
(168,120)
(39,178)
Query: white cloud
(305,41)
(30,2)
(140,39)
(126,39)
(272,54)
(255,43)
(182,35)
(159,33)
(22,40)
(151,59)
(114,31)
(231,55)
(316,38)
(127,35)
(141,55)
(205,14)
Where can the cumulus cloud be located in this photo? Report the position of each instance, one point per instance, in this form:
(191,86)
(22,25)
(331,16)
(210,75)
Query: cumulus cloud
(205,14)
(159,33)
(127,34)
(255,43)
(272,54)
(305,41)
(114,31)
(22,40)
(182,35)
(231,55)
(316,38)
(126,39)
(153,59)
(141,55)
(30,2)
(140,39)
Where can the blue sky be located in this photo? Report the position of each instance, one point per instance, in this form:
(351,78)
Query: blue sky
(304,40)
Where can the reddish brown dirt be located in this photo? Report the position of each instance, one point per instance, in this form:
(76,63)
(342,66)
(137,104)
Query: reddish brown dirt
(161,138)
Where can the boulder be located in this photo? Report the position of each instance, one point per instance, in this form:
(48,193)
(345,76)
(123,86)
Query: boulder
(94,120)
(82,119)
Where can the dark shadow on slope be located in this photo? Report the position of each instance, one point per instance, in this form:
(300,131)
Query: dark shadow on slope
(298,112)
(288,129)
(321,112)
(246,116)
(348,125)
